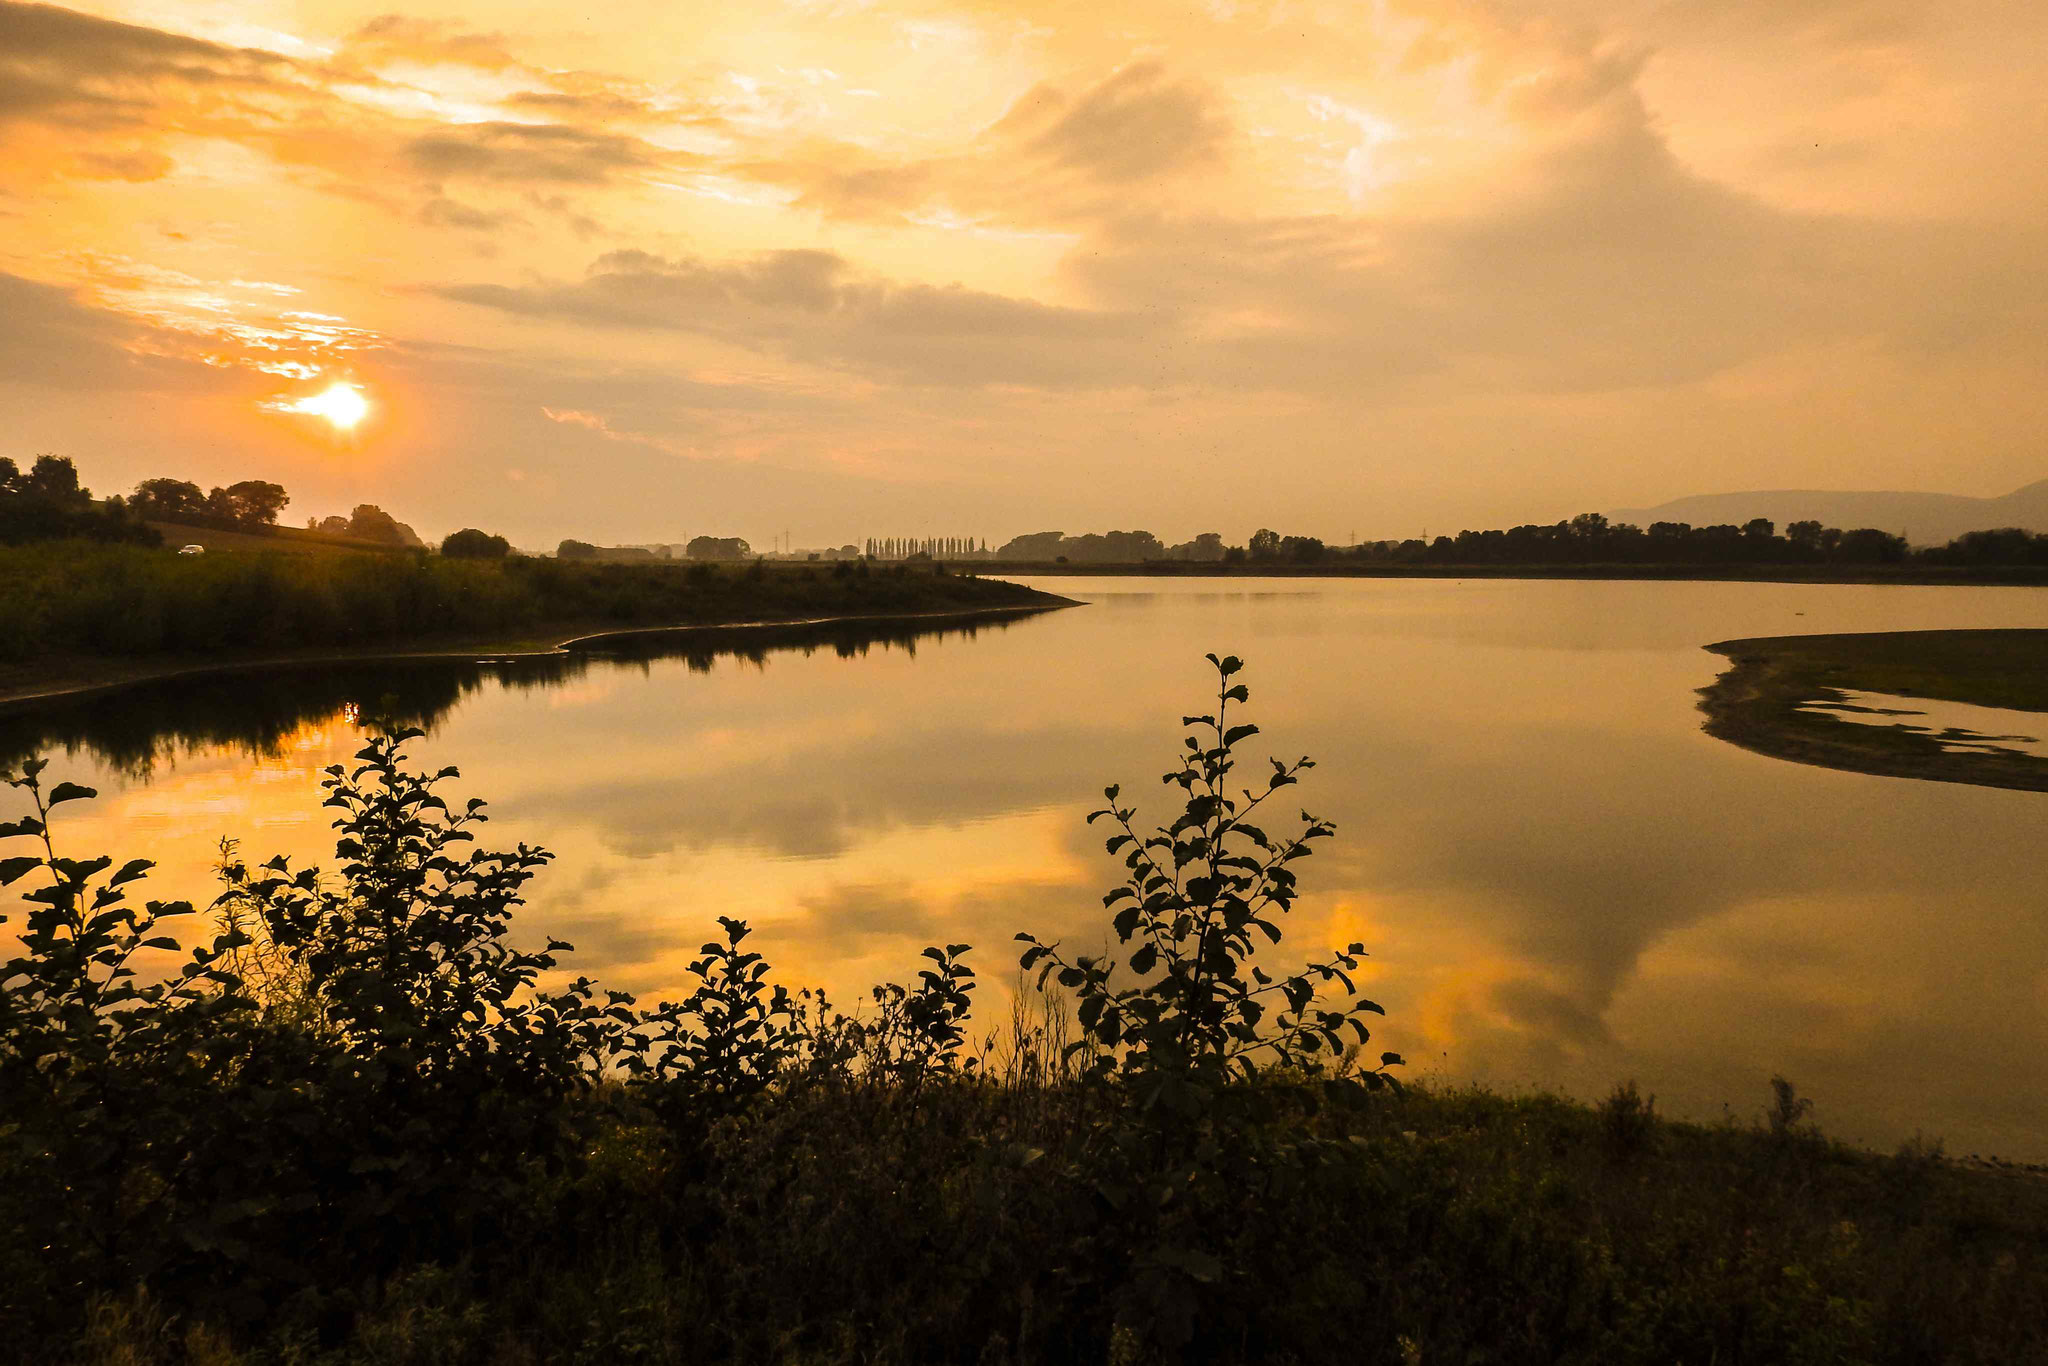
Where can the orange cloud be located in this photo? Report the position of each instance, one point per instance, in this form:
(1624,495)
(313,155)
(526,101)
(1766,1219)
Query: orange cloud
(978,250)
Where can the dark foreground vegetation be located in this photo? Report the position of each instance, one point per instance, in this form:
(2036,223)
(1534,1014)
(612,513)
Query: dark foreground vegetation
(1766,701)
(82,598)
(358,1123)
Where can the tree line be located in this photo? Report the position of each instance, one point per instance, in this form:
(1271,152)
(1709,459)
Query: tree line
(930,547)
(251,503)
(1589,539)
(725,549)
(1110,547)
(46,502)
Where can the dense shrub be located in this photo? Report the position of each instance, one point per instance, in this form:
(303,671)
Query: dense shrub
(352,1073)
(1197,1172)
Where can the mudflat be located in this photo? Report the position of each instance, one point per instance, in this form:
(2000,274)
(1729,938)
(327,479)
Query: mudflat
(1765,701)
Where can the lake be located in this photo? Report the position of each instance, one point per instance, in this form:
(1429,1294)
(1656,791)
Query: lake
(1562,882)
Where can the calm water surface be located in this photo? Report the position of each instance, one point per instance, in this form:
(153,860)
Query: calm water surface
(1561,880)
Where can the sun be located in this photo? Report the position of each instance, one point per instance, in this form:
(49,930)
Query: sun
(341,405)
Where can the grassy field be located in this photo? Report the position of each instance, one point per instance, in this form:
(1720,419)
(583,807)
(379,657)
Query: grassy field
(1761,702)
(78,614)
(288,540)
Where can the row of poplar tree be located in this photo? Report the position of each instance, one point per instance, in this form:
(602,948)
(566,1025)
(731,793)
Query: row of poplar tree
(938,547)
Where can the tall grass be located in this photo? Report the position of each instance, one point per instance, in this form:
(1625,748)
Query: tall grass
(91,599)
(855,1224)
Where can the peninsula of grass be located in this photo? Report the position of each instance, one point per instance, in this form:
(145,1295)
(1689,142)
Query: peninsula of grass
(77,614)
(1765,701)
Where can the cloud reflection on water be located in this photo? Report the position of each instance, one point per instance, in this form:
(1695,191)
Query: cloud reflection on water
(1560,879)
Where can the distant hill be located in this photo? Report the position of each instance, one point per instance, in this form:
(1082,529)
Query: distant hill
(1923,518)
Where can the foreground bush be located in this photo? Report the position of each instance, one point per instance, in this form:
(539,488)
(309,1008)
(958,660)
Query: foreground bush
(358,1123)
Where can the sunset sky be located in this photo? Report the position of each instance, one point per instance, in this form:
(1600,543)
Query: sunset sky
(655,268)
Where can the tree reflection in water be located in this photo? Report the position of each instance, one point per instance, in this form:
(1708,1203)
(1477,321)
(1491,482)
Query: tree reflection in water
(135,729)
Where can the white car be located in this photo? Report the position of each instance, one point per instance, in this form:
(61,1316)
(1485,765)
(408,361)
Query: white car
(191,550)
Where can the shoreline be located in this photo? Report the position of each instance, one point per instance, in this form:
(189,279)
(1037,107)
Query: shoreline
(15,701)
(2016,576)
(1762,701)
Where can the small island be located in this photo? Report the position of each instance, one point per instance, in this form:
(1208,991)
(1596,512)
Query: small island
(1773,697)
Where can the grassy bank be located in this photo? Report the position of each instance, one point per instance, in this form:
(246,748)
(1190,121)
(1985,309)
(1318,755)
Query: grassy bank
(78,613)
(1761,702)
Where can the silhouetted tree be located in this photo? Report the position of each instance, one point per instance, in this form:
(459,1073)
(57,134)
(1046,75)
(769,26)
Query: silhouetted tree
(472,544)
(256,502)
(168,499)
(1868,545)
(372,523)
(718,548)
(1302,549)
(54,480)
